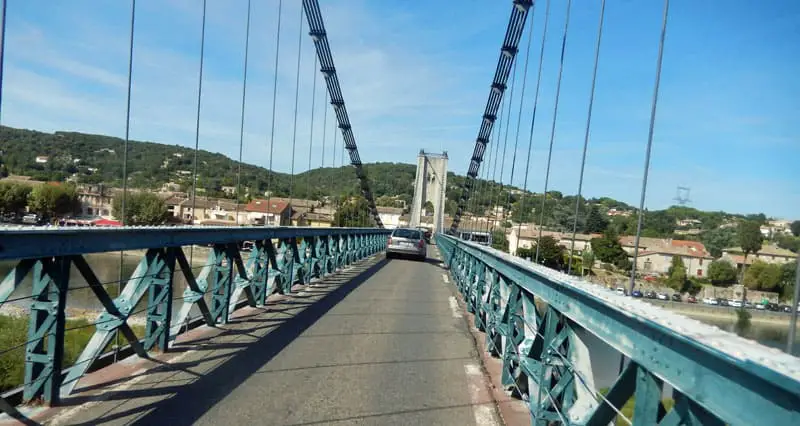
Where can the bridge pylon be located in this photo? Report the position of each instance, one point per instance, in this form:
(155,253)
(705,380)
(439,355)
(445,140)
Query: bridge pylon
(430,184)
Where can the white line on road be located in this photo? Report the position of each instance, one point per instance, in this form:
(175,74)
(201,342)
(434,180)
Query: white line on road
(483,412)
(445,279)
(454,307)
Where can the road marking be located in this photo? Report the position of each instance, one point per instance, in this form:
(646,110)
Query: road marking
(483,412)
(454,307)
(445,279)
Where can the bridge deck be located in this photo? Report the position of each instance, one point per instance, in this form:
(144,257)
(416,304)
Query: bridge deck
(383,348)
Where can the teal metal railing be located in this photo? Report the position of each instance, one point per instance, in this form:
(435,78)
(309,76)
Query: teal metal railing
(274,261)
(534,317)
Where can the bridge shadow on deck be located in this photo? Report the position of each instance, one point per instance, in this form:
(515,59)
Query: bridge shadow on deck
(184,404)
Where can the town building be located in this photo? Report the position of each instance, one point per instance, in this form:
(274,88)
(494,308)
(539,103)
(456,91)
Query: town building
(272,212)
(390,216)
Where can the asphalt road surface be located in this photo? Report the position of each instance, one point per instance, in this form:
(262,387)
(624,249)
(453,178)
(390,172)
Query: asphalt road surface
(380,344)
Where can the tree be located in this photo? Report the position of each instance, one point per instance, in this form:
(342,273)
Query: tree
(54,200)
(795,227)
(763,276)
(550,253)
(595,222)
(608,249)
(353,213)
(499,240)
(587,261)
(13,197)
(717,239)
(721,273)
(788,280)
(526,253)
(677,274)
(141,208)
(789,242)
(428,207)
(749,235)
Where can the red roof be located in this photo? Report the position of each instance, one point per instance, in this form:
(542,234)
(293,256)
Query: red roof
(106,222)
(260,206)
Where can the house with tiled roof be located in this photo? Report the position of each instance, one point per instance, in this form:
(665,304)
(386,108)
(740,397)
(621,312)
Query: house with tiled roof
(768,254)
(272,212)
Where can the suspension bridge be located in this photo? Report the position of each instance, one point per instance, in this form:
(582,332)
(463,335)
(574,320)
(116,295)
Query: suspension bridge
(303,325)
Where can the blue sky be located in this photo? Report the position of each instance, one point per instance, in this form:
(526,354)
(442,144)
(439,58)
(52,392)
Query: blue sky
(415,75)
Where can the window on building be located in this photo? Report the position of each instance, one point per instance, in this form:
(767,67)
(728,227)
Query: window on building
(699,272)
(701,261)
(648,265)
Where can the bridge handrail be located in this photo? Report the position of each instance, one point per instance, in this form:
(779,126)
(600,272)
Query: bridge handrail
(716,374)
(28,242)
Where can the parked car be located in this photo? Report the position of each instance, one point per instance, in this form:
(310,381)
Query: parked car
(691,299)
(676,297)
(760,306)
(773,307)
(621,291)
(735,303)
(710,301)
(662,296)
(406,242)
(650,295)
(786,308)
(636,293)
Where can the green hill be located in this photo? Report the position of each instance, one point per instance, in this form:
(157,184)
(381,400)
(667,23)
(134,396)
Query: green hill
(87,158)
(93,159)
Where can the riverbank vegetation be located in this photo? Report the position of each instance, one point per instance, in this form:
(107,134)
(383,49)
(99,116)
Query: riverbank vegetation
(15,333)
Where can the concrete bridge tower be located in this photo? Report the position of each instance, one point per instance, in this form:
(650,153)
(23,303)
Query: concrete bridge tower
(430,184)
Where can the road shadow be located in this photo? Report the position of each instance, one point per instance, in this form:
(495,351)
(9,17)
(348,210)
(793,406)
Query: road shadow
(186,403)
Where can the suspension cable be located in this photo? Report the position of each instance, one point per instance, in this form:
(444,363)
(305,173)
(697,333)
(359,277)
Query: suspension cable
(324,125)
(197,120)
(505,140)
(533,120)
(553,129)
(649,143)
(490,184)
(586,138)
(124,149)
(2,49)
(311,134)
(296,103)
(274,107)
(521,102)
(508,51)
(244,97)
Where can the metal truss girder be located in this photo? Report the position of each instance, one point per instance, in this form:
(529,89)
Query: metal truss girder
(116,312)
(159,305)
(721,387)
(321,251)
(44,351)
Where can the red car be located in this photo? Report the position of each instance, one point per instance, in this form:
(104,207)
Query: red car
(691,299)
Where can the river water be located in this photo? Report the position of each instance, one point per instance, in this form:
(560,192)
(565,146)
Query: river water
(107,268)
